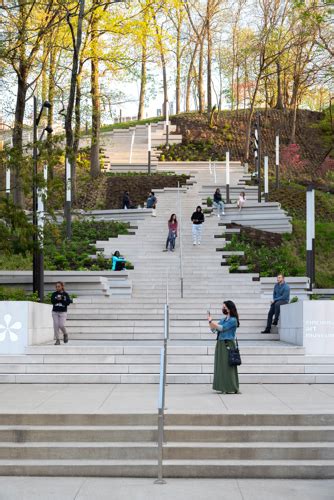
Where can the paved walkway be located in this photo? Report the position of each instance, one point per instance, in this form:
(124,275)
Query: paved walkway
(137,398)
(53,488)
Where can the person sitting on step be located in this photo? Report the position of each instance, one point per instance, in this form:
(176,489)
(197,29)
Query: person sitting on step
(218,203)
(117,262)
(151,202)
(241,200)
(281,295)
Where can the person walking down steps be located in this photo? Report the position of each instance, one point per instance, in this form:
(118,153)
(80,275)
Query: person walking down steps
(60,300)
(151,202)
(197,219)
(225,377)
(218,203)
(172,233)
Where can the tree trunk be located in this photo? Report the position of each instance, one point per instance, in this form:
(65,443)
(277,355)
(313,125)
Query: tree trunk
(209,61)
(51,94)
(279,103)
(71,97)
(143,80)
(201,95)
(178,69)
(189,78)
(96,111)
(18,137)
(77,128)
(250,117)
(143,76)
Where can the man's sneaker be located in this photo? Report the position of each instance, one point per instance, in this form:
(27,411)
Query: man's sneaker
(223,213)
(266,330)
(199,243)
(194,242)
(57,342)
(65,338)
(275,323)
(218,216)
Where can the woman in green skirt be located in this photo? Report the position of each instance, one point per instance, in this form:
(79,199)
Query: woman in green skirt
(225,377)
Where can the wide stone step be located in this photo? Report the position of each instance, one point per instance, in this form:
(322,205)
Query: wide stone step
(154,378)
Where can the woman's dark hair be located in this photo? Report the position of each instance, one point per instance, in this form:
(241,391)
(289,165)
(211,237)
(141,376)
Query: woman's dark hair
(116,253)
(233,310)
(199,207)
(61,283)
(217,190)
(171,218)
(243,194)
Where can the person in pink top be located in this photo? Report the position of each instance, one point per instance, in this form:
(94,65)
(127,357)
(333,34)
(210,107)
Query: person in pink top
(241,200)
(172,233)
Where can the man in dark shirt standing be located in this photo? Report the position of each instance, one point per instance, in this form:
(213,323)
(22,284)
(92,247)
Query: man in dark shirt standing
(197,219)
(281,296)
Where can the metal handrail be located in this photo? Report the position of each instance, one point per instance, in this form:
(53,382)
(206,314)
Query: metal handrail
(180,237)
(162,391)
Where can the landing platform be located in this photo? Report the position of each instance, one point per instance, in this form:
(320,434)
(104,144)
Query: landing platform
(192,399)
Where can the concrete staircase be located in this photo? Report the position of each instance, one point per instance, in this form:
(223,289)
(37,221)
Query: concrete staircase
(196,445)
(118,339)
(126,149)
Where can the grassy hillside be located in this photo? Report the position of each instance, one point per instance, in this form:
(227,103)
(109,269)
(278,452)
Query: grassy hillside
(314,137)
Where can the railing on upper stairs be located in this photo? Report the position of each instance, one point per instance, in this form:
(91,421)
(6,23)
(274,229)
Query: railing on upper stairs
(162,390)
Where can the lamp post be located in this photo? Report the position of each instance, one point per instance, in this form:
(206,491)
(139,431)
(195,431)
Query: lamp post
(167,122)
(68,198)
(310,234)
(149,148)
(258,157)
(227,166)
(266,178)
(7,182)
(38,257)
(277,160)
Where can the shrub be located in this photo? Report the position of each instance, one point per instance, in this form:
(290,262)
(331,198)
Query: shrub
(209,201)
(11,293)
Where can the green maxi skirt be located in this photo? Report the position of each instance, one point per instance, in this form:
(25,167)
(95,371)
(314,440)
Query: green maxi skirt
(225,378)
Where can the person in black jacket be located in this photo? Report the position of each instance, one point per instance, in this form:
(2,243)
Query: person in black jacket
(60,300)
(126,202)
(197,219)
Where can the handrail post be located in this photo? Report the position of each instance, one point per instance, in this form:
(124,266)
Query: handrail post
(162,391)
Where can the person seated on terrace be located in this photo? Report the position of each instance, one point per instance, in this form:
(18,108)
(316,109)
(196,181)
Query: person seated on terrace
(281,296)
(117,262)
(242,200)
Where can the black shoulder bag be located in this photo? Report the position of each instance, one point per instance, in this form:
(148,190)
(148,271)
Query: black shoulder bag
(234,358)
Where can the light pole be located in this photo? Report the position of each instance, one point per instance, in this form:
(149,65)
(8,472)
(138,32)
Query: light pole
(266,178)
(167,122)
(68,198)
(310,234)
(38,256)
(277,159)
(149,148)
(258,130)
(227,167)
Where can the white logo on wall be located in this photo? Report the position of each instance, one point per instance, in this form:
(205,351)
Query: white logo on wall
(7,329)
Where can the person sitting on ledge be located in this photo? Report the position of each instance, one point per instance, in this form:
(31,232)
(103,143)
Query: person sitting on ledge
(117,262)
(281,296)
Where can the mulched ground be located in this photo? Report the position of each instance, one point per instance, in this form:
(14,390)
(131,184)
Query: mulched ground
(138,186)
(229,131)
(257,237)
